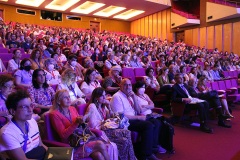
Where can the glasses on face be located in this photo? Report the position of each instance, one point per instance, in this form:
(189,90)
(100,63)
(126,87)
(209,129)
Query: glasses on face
(9,87)
(25,108)
(127,85)
(41,75)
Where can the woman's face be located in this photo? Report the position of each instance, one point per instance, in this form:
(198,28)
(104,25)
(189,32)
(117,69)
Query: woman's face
(58,50)
(184,70)
(37,54)
(92,76)
(115,73)
(18,54)
(71,80)
(151,73)
(41,77)
(65,100)
(102,98)
(27,63)
(7,88)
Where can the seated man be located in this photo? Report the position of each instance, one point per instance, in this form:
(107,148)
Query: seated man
(125,101)
(181,94)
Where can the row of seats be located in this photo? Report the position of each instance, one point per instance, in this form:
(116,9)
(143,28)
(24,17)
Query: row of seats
(5,50)
(228,3)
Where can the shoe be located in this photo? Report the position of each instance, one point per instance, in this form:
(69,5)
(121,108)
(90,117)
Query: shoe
(222,124)
(152,157)
(161,149)
(231,116)
(224,117)
(206,129)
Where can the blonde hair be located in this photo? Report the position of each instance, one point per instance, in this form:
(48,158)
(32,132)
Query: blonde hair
(58,96)
(67,75)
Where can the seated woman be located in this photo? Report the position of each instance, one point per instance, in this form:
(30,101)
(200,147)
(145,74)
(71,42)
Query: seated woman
(2,67)
(145,62)
(124,61)
(69,83)
(61,57)
(36,59)
(65,119)
(134,61)
(98,111)
(112,82)
(163,77)
(23,76)
(150,80)
(20,138)
(185,75)
(89,83)
(41,93)
(52,75)
(88,63)
(202,88)
(14,63)
(146,104)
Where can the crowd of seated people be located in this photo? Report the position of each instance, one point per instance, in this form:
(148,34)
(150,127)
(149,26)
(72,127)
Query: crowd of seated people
(71,65)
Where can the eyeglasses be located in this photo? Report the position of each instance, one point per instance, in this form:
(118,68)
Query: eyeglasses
(9,87)
(42,75)
(25,108)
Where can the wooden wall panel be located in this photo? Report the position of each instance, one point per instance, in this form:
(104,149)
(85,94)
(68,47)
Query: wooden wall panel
(164,24)
(138,26)
(188,37)
(169,34)
(195,37)
(227,37)
(236,35)
(146,27)
(150,26)
(142,27)
(203,36)
(159,25)
(210,37)
(218,37)
(155,25)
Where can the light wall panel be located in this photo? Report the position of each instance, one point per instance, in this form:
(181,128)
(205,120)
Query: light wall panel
(218,37)
(142,27)
(203,36)
(146,26)
(236,36)
(155,25)
(210,37)
(196,37)
(164,24)
(188,36)
(159,22)
(150,26)
(227,37)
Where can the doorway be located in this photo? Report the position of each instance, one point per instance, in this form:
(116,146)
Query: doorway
(95,26)
(179,36)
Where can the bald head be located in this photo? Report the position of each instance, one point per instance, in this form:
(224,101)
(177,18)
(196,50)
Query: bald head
(126,86)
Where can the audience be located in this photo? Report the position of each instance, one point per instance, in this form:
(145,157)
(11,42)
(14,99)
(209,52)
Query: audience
(65,119)
(14,63)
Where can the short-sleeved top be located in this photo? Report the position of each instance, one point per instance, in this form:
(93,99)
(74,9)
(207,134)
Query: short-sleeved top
(42,96)
(53,77)
(120,103)
(11,136)
(26,77)
(88,88)
(12,65)
(143,101)
(3,107)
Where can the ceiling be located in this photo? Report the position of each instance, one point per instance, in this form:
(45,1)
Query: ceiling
(129,9)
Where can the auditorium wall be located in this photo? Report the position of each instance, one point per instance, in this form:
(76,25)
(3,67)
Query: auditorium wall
(105,24)
(155,25)
(225,37)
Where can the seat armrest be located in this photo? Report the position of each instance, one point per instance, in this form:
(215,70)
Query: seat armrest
(157,110)
(177,109)
(50,143)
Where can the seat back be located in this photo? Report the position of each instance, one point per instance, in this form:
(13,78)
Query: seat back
(82,108)
(234,83)
(6,56)
(3,50)
(21,49)
(129,73)
(231,74)
(226,74)
(235,74)
(221,85)
(228,83)
(215,85)
(25,56)
(139,72)
(50,133)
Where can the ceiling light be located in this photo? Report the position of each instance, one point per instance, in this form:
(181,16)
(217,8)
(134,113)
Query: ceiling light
(129,14)
(34,3)
(87,7)
(61,5)
(109,11)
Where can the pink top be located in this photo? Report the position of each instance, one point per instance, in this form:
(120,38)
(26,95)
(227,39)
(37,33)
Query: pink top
(62,125)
